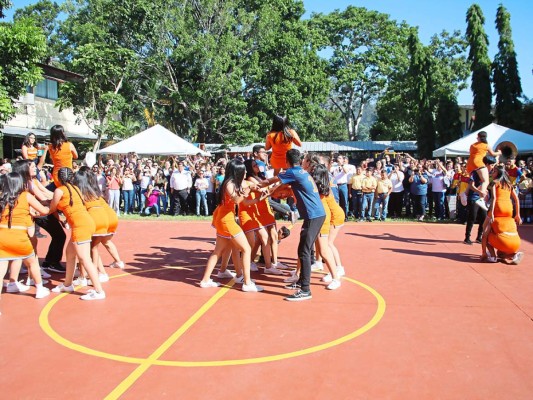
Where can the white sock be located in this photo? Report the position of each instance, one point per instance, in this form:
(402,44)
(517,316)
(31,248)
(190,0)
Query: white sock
(39,285)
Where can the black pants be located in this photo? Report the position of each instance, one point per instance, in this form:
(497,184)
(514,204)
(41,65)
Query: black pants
(357,203)
(180,205)
(474,212)
(51,225)
(395,204)
(308,235)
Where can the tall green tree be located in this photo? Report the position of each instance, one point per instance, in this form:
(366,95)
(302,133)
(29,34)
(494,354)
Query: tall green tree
(507,86)
(45,14)
(22,46)
(367,46)
(480,66)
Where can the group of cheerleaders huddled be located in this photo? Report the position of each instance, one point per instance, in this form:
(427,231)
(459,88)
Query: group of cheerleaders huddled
(244,220)
(77,201)
(500,239)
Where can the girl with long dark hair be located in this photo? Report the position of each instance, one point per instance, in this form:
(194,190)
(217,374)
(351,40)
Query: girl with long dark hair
(69,200)
(229,234)
(15,223)
(475,163)
(280,140)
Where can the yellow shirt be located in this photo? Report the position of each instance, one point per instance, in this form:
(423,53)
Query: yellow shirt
(369,184)
(357,181)
(384,186)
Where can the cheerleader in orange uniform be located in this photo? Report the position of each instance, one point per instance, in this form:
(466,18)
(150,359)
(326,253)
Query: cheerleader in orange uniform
(475,161)
(280,140)
(501,234)
(320,174)
(15,221)
(229,233)
(69,200)
(61,151)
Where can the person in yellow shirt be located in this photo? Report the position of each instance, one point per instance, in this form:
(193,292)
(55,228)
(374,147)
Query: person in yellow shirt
(368,187)
(356,193)
(383,191)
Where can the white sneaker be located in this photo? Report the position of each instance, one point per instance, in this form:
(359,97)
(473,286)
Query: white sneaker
(45,274)
(103,277)
(482,204)
(115,264)
(93,295)
(42,292)
(280,265)
(240,279)
(335,284)
(273,271)
(16,287)
(340,271)
(227,274)
(63,289)
(31,282)
(327,278)
(253,267)
(317,266)
(209,284)
(252,287)
(77,273)
(291,279)
(80,281)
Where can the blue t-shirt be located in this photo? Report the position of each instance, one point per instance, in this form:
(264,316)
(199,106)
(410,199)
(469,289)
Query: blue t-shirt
(304,188)
(417,187)
(476,180)
(262,167)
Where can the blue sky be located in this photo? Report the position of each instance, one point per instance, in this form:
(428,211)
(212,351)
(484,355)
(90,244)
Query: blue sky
(433,17)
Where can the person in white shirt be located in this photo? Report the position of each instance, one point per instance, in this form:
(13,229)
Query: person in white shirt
(180,186)
(201,184)
(396,177)
(341,173)
(211,188)
(438,188)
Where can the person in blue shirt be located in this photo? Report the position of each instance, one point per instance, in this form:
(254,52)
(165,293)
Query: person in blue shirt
(419,190)
(311,210)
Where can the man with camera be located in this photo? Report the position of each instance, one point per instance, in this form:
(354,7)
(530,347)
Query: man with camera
(419,190)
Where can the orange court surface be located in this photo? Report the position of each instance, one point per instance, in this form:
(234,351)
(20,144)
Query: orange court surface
(418,316)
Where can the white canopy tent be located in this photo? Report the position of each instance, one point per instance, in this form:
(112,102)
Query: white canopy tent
(495,135)
(156,140)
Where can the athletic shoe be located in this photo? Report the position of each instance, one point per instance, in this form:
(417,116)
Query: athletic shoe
(340,271)
(16,287)
(42,292)
(209,284)
(300,295)
(335,284)
(253,267)
(327,278)
(517,258)
(467,241)
(478,240)
(240,279)
(482,204)
(293,278)
(61,288)
(103,277)
(273,271)
(80,281)
(317,266)
(280,265)
(294,286)
(117,264)
(294,217)
(252,287)
(45,274)
(93,295)
(54,266)
(31,282)
(227,274)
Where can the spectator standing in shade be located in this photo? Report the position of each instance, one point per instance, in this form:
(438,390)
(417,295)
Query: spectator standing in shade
(396,177)
(356,192)
(383,191)
(180,186)
(368,187)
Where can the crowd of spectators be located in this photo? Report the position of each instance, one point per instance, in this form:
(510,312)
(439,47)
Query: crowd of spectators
(390,186)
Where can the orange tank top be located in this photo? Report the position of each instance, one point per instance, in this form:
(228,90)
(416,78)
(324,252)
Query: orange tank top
(32,152)
(279,148)
(77,204)
(503,207)
(60,158)
(20,215)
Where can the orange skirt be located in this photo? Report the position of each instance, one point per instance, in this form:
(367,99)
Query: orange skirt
(82,226)
(99,216)
(112,219)
(226,225)
(14,244)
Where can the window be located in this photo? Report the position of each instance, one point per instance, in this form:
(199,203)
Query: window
(47,89)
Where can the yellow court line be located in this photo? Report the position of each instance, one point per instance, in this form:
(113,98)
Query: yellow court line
(141,369)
